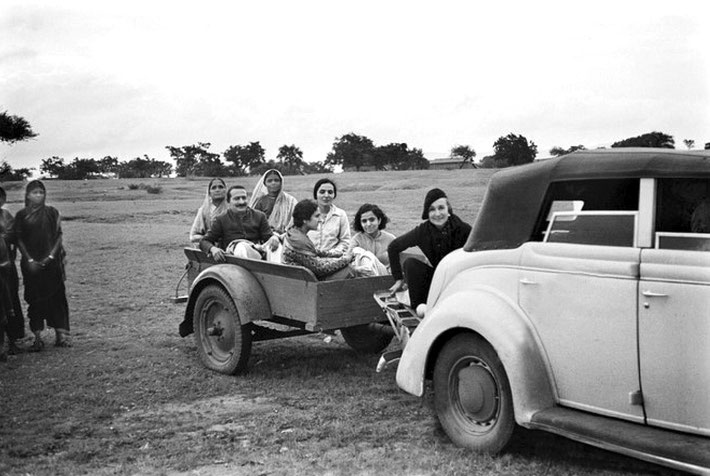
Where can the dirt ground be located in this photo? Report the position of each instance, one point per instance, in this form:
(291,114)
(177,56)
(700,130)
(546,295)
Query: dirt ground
(131,397)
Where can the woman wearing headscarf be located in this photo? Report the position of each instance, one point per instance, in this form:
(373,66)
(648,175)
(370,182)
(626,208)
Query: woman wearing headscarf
(269,197)
(16,322)
(214,204)
(39,239)
(441,233)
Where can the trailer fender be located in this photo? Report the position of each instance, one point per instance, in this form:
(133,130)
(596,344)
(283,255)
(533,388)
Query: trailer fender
(242,286)
(492,315)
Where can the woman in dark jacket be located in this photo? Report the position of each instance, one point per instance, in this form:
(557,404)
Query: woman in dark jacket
(440,234)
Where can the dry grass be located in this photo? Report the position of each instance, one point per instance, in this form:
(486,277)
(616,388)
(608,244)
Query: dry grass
(131,397)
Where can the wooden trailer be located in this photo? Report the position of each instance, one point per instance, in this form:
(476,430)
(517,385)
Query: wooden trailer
(232,304)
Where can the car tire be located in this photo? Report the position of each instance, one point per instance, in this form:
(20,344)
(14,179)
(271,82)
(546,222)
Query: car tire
(366,340)
(223,342)
(472,395)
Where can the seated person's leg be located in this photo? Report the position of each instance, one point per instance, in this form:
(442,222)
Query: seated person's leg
(245,249)
(275,256)
(344,273)
(418,276)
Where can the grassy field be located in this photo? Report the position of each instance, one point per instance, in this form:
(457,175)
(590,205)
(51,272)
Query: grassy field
(132,398)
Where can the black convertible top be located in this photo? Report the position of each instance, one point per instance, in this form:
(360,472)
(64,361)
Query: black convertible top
(512,202)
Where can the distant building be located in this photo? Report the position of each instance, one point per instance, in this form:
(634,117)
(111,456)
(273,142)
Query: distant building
(451,163)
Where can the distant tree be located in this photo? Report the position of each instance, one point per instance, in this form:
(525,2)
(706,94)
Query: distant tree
(52,166)
(651,139)
(145,167)
(319,167)
(81,169)
(291,157)
(351,150)
(8,174)
(108,165)
(14,128)
(193,159)
(245,158)
(210,165)
(464,152)
(415,161)
(513,150)
(390,156)
(557,151)
(689,143)
(488,162)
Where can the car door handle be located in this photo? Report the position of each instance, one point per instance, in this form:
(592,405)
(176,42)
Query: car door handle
(652,294)
(527,281)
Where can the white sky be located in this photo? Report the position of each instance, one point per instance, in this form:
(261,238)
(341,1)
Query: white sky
(128,78)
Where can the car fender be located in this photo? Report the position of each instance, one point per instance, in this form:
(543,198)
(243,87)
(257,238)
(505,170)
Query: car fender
(494,316)
(242,286)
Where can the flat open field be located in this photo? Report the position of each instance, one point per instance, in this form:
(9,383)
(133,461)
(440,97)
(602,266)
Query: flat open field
(131,396)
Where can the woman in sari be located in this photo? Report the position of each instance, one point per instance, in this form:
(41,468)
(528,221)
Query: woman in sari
(269,197)
(215,203)
(39,239)
(15,329)
(299,249)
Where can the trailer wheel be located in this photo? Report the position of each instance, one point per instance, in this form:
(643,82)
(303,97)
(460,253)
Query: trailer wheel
(223,343)
(472,395)
(366,340)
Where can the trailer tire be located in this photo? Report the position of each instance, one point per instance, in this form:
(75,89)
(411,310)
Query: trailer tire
(365,340)
(223,342)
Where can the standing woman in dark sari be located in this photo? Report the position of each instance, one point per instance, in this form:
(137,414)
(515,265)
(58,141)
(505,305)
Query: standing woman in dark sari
(39,239)
(16,323)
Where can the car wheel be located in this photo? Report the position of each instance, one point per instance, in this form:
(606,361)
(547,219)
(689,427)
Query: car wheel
(472,395)
(223,343)
(366,340)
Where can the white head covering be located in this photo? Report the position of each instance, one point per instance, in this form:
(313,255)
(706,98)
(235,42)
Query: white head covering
(207,216)
(283,205)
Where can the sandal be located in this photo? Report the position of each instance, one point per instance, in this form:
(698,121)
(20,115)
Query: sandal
(62,343)
(36,346)
(13,349)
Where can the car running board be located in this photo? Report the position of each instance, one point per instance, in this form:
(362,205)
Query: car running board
(403,320)
(681,451)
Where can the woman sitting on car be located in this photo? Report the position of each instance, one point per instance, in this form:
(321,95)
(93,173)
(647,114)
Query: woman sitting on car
(440,234)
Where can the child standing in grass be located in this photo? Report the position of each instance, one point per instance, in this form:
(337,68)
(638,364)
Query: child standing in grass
(39,239)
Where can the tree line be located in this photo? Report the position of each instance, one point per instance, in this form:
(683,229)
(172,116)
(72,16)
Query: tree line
(350,151)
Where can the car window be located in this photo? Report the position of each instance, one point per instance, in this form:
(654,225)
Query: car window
(683,214)
(586,195)
(605,228)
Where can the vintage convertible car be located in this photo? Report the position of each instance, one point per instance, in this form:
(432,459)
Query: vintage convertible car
(580,305)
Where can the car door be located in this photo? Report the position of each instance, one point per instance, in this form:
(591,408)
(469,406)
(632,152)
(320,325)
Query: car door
(582,301)
(674,338)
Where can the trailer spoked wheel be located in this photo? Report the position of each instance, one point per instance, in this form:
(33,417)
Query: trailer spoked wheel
(223,342)
(365,339)
(472,395)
